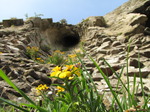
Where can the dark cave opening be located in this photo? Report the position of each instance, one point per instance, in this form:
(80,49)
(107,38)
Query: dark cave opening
(70,40)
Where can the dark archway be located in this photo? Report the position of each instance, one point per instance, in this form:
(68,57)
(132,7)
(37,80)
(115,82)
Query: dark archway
(70,40)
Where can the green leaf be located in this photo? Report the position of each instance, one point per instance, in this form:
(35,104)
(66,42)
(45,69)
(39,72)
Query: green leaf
(13,104)
(108,83)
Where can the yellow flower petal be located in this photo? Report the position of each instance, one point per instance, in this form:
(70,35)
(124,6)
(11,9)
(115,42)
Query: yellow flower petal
(55,74)
(72,55)
(62,75)
(76,71)
(62,52)
(57,51)
(65,74)
(60,89)
(42,87)
(28,47)
(56,69)
(70,78)
(69,67)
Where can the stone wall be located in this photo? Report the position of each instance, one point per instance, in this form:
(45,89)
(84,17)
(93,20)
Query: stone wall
(15,22)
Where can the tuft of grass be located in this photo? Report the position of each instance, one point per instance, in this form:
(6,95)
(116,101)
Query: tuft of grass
(32,52)
(57,58)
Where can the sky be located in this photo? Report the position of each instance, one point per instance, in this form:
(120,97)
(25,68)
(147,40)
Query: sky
(74,11)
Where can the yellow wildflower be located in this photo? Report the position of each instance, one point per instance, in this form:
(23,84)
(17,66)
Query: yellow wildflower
(55,74)
(56,69)
(35,48)
(62,52)
(28,47)
(65,74)
(68,72)
(76,71)
(57,51)
(0,52)
(72,55)
(60,89)
(70,78)
(42,87)
(38,58)
(62,75)
(41,60)
(69,67)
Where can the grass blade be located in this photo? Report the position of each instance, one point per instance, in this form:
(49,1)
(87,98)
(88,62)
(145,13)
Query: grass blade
(12,104)
(108,83)
(3,75)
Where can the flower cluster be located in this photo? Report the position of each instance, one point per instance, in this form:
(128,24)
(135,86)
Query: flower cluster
(32,52)
(57,58)
(41,88)
(72,55)
(33,48)
(60,89)
(58,51)
(69,72)
(40,60)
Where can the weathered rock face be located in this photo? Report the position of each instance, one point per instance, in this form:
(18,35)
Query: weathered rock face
(144,9)
(120,35)
(127,13)
(125,37)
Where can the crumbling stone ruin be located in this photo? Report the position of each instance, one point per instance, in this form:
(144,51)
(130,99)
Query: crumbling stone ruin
(55,34)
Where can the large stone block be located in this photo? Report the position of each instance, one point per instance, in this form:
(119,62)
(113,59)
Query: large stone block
(42,24)
(96,21)
(15,22)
